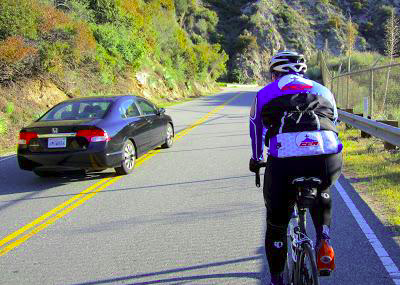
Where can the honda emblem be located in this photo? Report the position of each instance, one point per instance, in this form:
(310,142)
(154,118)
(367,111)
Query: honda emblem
(54,130)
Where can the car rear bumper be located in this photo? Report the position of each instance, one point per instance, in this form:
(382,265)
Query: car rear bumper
(69,161)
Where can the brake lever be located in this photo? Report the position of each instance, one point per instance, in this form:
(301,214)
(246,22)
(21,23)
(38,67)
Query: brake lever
(258,183)
(258,178)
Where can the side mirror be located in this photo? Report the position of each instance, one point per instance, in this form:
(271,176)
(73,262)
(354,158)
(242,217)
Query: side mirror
(161,111)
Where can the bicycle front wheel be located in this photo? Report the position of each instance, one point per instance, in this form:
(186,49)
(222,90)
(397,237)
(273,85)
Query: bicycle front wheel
(306,272)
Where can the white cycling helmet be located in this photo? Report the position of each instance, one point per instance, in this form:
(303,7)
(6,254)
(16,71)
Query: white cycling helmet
(285,61)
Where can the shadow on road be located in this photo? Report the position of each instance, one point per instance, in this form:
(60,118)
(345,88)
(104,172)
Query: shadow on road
(16,181)
(220,148)
(259,276)
(53,182)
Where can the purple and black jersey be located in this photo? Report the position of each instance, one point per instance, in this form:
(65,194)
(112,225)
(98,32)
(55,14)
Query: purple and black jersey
(294,116)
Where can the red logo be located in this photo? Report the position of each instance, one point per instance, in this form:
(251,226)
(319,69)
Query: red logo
(296,87)
(305,143)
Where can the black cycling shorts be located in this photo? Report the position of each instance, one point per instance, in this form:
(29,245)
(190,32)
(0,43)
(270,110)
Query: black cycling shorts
(279,193)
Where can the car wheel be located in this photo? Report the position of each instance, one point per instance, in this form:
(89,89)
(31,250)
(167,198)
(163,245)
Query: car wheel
(169,140)
(26,164)
(128,159)
(44,173)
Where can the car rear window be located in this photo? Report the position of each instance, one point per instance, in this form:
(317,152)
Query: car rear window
(77,110)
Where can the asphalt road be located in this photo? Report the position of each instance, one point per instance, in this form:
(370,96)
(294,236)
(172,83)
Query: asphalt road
(187,215)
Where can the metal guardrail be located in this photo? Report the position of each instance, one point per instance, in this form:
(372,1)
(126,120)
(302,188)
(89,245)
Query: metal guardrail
(387,133)
(383,131)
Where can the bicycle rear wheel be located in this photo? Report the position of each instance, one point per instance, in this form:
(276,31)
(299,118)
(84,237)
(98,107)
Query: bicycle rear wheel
(306,272)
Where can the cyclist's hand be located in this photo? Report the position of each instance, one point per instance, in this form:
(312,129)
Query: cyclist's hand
(254,165)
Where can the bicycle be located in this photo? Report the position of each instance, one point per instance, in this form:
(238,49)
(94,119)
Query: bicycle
(300,267)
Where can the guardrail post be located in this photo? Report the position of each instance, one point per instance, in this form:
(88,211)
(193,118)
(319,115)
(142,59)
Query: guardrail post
(389,146)
(364,134)
(371,94)
(347,94)
(348,110)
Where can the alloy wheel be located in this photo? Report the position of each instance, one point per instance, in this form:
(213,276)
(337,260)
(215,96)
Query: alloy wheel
(170,135)
(129,156)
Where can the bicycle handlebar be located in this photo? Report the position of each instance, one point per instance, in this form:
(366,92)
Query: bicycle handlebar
(258,184)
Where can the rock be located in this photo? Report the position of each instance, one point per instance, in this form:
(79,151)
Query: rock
(142,77)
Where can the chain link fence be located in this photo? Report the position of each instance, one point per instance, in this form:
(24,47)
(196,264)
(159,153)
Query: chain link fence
(373,92)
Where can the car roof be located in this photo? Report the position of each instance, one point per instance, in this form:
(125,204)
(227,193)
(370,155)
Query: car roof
(102,98)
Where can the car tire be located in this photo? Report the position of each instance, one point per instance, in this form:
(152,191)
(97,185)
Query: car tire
(25,164)
(169,140)
(128,159)
(44,173)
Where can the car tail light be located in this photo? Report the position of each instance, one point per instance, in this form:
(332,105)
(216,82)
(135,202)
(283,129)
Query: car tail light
(97,135)
(26,137)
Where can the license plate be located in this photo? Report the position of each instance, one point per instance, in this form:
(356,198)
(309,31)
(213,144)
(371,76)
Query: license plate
(57,142)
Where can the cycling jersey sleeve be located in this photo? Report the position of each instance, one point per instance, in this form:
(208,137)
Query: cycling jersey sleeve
(257,130)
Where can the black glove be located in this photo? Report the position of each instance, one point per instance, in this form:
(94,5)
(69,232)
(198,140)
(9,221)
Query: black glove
(254,165)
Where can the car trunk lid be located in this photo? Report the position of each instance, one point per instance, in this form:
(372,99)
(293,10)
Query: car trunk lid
(59,136)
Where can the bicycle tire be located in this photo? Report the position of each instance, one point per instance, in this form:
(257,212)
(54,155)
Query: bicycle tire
(306,273)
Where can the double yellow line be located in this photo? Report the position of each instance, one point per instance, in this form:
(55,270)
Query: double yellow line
(29,230)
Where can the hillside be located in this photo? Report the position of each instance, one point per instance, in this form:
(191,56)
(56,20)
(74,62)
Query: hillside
(250,31)
(54,50)
(161,49)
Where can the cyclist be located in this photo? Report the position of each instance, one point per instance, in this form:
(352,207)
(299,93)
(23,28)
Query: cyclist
(296,119)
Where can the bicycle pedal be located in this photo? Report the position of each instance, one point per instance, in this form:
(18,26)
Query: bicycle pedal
(324,272)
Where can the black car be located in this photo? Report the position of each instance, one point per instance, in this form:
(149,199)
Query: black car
(92,134)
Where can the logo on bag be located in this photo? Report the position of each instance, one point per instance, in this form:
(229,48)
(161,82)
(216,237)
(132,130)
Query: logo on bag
(278,244)
(306,140)
(296,87)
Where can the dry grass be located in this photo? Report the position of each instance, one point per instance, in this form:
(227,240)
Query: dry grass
(374,172)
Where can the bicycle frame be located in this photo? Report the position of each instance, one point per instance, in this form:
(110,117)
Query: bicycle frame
(299,243)
(297,231)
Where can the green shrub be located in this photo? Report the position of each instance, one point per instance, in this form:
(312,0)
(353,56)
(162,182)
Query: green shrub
(3,126)
(9,108)
(246,42)
(53,55)
(106,65)
(334,21)
(121,43)
(238,76)
(18,17)
(314,73)
(81,10)
(105,11)
(357,6)
(201,27)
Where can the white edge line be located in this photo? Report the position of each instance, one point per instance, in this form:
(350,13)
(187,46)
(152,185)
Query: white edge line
(383,255)
(12,156)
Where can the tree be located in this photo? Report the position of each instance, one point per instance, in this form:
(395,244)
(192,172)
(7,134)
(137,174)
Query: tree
(182,7)
(351,34)
(392,33)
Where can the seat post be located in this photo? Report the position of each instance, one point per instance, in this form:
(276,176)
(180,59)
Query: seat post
(302,220)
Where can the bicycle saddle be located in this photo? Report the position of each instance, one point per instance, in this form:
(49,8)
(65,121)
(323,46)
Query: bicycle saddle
(307,182)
